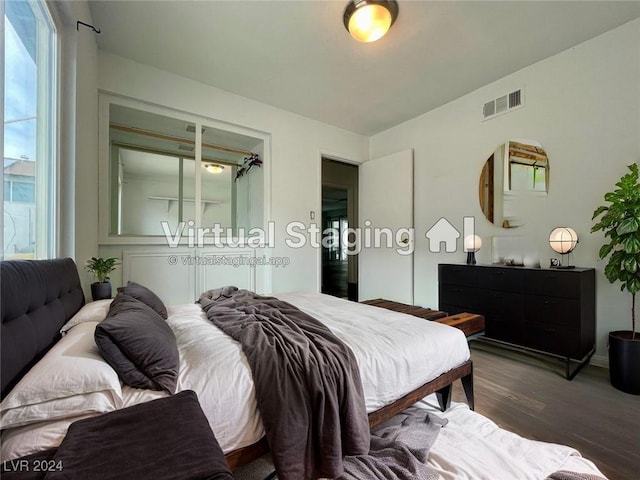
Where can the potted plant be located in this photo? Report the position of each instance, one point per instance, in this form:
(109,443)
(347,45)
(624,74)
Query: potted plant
(101,268)
(620,222)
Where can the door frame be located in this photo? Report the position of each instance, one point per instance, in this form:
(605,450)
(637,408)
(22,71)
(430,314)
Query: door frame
(318,211)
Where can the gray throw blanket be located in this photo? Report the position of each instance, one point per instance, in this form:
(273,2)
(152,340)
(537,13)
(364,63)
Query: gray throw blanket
(566,475)
(399,449)
(307,382)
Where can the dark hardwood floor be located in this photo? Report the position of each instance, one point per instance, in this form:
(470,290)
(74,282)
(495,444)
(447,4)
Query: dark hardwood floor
(528,394)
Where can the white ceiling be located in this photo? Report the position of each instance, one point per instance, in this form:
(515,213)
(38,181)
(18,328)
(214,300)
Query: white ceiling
(296,55)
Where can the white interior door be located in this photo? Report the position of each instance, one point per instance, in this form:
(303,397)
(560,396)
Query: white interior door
(386,202)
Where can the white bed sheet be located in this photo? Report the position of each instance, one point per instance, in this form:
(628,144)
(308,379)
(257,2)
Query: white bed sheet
(472,447)
(469,447)
(396,353)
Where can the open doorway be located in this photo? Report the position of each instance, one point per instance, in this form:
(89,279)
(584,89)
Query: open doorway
(339,213)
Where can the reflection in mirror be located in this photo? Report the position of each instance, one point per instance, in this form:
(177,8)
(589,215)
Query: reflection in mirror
(153,165)
(513,181)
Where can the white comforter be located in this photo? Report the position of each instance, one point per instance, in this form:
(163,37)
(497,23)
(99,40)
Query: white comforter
(396,353)
(472,447)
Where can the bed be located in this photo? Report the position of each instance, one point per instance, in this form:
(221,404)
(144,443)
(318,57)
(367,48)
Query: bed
(410,359)
(39,298)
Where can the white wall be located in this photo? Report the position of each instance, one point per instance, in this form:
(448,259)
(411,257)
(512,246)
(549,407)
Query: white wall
(583,106)
(296,146)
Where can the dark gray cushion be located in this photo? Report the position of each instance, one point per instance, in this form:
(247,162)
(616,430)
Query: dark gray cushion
(139,345)
(165,439)
(146,296)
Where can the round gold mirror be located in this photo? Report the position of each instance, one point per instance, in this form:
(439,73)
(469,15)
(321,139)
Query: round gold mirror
(513,181)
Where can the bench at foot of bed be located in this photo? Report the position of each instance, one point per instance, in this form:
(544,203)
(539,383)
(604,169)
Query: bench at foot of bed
(469,323)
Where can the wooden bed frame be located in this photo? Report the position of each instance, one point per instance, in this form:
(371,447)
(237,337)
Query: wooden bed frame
(39,296)
(441,386)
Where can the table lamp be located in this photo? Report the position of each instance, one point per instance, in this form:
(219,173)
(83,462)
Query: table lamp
(472,244)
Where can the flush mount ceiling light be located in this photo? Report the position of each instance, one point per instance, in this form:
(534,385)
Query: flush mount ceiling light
(369,20)
(213,168)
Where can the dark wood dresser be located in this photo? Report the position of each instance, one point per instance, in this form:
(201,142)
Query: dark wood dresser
(547,310)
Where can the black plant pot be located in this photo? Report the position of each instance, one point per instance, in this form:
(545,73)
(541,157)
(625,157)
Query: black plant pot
(101,291)
(624,361)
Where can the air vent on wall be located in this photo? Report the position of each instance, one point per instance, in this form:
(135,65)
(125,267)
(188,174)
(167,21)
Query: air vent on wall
(502,104)
(192,129)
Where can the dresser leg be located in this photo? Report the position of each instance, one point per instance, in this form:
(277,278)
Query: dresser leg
(467,385)
(444,397)
(571,374)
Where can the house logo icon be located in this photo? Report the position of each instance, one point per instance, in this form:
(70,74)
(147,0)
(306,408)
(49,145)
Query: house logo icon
(442,232)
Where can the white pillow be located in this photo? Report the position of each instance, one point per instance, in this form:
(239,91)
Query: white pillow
(71,379)
(35,437)
(91,312)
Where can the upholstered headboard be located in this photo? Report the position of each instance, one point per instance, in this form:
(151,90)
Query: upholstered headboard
(38,297)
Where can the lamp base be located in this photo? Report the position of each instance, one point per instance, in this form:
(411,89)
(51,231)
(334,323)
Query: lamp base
(471,258)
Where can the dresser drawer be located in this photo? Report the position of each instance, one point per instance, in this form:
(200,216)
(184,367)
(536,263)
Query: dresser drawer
(504,279)
(458,275)
(501,302)
(555,283)
(555,339)
(506,328)
(464,297)
(552,310)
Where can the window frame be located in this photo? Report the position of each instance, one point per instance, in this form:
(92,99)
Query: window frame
(105,237)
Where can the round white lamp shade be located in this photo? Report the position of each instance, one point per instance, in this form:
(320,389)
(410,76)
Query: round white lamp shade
(563,239)
(472,243)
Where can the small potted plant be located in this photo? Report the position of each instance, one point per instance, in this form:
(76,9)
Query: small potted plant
(620,222)
(101,268)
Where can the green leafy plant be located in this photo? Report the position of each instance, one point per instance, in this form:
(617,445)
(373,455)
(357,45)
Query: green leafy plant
(101,267)
(620,222)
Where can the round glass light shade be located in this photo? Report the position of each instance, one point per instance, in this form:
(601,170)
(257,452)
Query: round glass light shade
(369,20)
(213,168)
(472,243)
(563,239)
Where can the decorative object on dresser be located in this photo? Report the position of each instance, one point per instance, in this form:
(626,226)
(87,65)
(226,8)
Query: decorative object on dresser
(545,310)
(620,222)
(101,268)
(563,240)
(472,243)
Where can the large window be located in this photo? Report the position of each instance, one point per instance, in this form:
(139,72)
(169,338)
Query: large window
(29,167)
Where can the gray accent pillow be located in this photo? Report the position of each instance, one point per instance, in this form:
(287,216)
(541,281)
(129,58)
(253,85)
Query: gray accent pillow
(146,296)
(139,345)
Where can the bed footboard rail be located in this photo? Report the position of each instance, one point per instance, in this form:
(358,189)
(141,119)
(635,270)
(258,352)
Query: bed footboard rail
(440,385)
